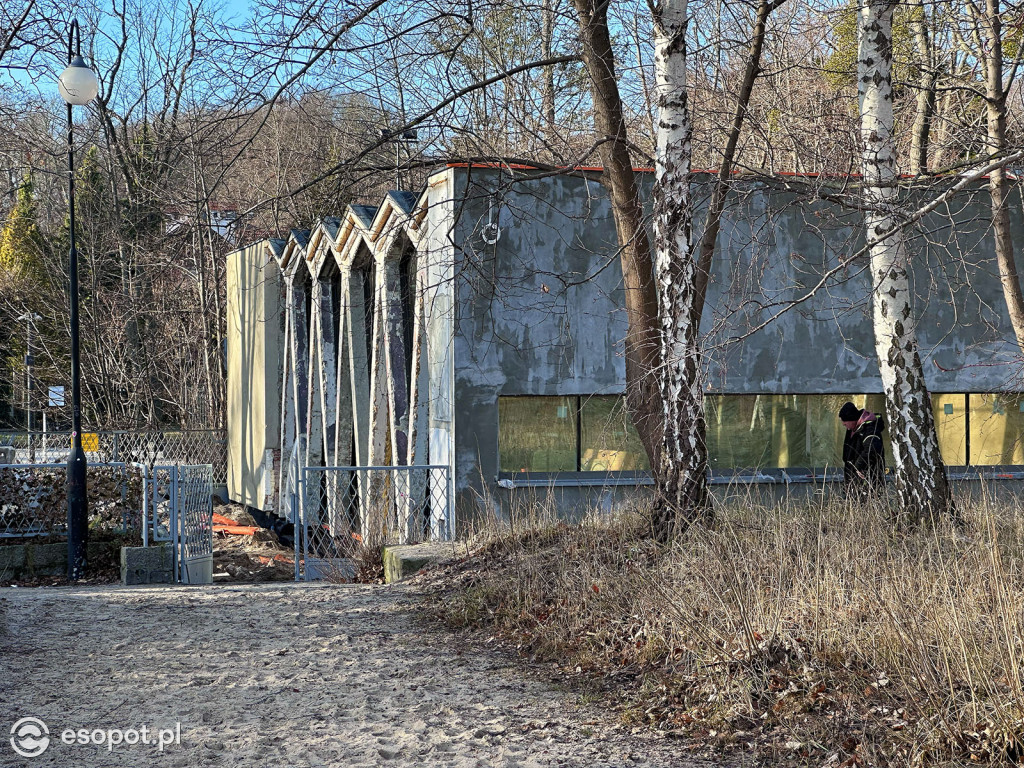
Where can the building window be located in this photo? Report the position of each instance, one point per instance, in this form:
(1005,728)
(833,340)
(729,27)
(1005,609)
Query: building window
(950,412)
(996,424)
(745,432)
(608,440)
(537,434)
(780,431)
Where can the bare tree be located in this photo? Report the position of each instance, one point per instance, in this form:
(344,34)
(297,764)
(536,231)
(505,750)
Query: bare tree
(990,22)
(642,335)
(682,473)
(921,481)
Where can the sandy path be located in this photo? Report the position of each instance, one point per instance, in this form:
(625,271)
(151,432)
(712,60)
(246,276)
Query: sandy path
(283,675)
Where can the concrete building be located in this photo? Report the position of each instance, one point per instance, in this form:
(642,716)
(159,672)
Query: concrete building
(478,326)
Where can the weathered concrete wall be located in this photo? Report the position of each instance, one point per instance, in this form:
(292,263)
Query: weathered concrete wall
(34,560)
(539,311)
(437,251)
(254,357)
(779,246)
(518,292)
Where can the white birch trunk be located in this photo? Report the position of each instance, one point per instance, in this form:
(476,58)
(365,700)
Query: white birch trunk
(921,483)
(682,476)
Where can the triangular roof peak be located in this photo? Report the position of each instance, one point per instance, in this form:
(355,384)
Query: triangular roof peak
(294,250)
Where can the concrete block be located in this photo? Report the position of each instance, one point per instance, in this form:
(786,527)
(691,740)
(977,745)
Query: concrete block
(404,561)
(147,565)
(12,561)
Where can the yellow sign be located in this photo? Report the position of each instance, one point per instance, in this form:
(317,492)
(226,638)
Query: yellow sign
(90,441)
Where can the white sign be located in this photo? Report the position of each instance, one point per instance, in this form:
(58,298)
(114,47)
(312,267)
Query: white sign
(55,397)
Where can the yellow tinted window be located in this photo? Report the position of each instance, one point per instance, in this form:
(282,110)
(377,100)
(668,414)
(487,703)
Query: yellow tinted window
(610,442)
(996,429)
(537,434)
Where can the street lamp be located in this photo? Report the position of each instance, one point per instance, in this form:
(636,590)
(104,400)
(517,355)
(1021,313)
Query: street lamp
(77,85)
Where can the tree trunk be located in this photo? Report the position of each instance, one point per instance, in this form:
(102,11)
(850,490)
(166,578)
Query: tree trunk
(927,81)
(921,483)
(683,493)
(716,207)
(996,118)
(547,34)
(641,298)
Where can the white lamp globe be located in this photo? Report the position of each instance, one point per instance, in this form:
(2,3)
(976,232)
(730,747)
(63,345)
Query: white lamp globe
(78,84)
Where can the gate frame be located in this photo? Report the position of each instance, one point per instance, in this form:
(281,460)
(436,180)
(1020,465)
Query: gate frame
(176,528)
(297,507)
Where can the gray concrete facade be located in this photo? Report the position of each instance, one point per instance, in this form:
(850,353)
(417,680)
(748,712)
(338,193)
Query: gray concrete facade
(511,286)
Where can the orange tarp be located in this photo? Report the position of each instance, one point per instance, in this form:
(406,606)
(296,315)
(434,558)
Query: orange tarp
(226,525)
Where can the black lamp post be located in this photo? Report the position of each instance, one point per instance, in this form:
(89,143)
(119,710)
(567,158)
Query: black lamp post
(77,85)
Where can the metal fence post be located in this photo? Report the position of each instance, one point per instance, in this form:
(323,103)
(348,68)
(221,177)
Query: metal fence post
(295,531)
(124,500)
(175,524)
(300,524)
(145,504)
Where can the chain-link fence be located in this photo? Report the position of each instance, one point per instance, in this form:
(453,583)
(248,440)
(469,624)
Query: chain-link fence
(191,446)
(338,507)
(34,501)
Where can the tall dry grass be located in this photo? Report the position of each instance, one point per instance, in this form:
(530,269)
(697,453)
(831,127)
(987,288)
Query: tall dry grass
(814,630)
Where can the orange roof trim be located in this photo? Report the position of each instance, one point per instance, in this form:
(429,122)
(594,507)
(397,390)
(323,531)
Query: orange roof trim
(647,169)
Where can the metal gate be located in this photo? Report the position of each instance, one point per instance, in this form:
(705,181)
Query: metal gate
(336,508)
(177,507)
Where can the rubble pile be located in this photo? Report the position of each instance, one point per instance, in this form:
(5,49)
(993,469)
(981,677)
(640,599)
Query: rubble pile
(34,500)
(245,551)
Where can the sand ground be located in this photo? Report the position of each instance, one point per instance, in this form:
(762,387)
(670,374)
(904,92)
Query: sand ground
(285,675)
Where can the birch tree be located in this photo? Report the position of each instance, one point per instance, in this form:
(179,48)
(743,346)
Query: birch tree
(682,474)
(921,484)
(665,285)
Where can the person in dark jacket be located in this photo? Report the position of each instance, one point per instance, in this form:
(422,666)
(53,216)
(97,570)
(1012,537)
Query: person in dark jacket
(863,450)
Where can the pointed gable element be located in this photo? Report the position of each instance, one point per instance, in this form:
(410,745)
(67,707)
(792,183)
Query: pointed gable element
(294,254)
(355,231)
(392,218)
(275,249)
(322,244)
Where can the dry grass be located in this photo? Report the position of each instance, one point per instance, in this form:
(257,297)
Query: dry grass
(810,631)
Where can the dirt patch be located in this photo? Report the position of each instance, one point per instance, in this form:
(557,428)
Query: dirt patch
(294,675)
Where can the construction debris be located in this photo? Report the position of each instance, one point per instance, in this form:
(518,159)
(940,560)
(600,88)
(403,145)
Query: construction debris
(245,551)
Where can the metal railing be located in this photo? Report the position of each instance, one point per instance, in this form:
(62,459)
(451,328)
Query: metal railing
(335,508)
(150,447)
(33,499)
(177,507)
